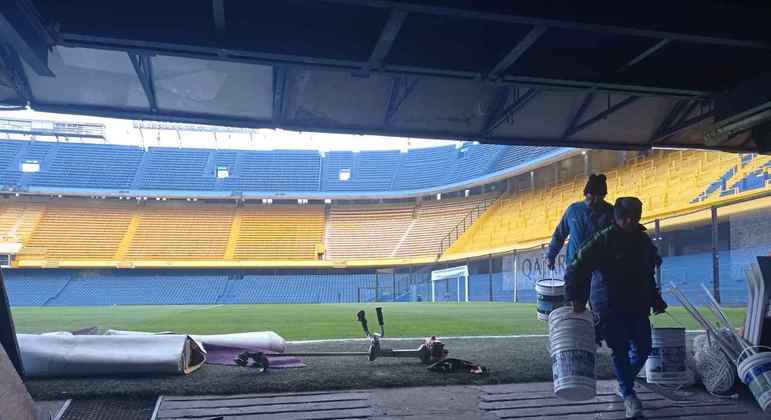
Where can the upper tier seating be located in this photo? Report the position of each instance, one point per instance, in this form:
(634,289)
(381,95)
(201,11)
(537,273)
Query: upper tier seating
(90,166)
(370,171)
(100,167)
(278,170)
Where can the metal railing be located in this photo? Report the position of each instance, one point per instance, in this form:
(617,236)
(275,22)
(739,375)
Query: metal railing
(465,223)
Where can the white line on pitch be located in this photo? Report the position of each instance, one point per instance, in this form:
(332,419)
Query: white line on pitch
(467,337)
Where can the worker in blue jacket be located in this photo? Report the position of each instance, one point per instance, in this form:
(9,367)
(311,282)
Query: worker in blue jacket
(623,260)
(581,221)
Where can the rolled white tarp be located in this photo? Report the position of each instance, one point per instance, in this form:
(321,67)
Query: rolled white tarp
(265,340)
(63,355)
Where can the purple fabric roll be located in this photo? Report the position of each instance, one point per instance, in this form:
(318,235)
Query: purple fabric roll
(223,355)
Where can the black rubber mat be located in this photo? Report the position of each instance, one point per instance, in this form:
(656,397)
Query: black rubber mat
(112,409)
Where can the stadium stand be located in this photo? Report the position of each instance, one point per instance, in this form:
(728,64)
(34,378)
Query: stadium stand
(370,171)
(367,231)
(422,168)
(433,220)
(89,166)
(278,170)
(18,220)
(179,232)
(72,246)
(280,232)
(38,287)
(78,230)
(175,169)
(10,173)
(99,167)
(666,182)
(394,230)
(514,156)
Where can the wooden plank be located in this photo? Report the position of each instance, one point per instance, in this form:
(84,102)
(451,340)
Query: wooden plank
(270,409)
(252,402)
(543,395)
(529,412)
(500,405)
(240,396)
(359,413)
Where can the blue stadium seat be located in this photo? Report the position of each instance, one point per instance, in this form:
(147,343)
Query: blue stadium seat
(112,167)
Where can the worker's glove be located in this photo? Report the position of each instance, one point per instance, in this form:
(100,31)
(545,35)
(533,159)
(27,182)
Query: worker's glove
(550,263)
(659,306)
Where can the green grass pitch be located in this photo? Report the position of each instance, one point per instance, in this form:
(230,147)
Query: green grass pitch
(307,322)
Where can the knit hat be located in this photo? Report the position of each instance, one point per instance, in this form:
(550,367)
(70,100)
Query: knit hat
(596,185)
(627,206)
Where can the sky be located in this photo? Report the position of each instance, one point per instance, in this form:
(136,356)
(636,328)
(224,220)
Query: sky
(126,132)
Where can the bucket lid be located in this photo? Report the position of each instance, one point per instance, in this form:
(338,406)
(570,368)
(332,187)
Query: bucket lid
(551,283)
(566,312)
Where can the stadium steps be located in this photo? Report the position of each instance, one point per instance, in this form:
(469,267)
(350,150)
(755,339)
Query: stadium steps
(141,171)
(405,235)
(235,233)
(125,243)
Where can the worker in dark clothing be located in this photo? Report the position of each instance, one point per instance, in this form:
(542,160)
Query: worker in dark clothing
(582,220)
(623,292)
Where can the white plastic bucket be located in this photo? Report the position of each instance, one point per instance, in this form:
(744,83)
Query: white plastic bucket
(572,348)
(550,296)
(666,363)
(755,371)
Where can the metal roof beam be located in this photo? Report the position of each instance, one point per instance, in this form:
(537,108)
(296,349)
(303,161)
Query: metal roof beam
(386,40)
(279,94)
(16,72)
(602,115)
(645,54)
(401,89)
(517,52)
(669,119)
(681,125)
(553,23)
(218,13)
(254,57)
(143,68)
(212,119)
(506,114)
(579,114)
(22,28)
